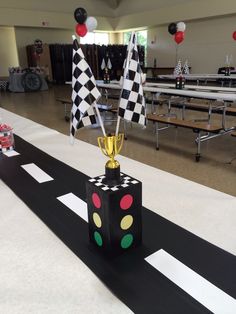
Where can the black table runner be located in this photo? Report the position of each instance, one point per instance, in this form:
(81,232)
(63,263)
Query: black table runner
(141,287)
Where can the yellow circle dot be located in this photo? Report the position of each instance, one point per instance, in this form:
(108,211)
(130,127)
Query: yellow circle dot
(126,222)
(97,220)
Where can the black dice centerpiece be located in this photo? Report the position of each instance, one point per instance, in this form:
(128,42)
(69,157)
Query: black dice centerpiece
(227,71)
(180,82)
(114,203)
(106,76)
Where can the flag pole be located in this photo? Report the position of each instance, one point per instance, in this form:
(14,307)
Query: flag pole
(117,125)
(126,67)
(100,119)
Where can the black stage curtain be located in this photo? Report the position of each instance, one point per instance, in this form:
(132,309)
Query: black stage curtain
(58,63)
(61,60)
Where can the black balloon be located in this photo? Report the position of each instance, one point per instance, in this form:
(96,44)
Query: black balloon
(80,15)
(172,28)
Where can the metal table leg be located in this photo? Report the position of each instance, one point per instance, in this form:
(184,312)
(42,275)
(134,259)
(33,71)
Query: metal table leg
(66,112)
(157,136)
(198,140)
(153,94)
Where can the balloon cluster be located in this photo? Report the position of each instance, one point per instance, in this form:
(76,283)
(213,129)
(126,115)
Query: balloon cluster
(85,23)
(178,30)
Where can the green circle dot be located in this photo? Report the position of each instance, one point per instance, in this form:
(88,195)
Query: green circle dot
(98,238)
(126,241)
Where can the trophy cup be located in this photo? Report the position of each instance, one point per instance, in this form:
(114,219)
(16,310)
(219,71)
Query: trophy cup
(114,203)
(110,147)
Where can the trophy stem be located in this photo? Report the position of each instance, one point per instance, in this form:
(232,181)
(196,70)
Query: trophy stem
(112,176)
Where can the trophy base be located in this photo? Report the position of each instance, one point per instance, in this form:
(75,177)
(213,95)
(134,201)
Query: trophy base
(115,214)
(112,176)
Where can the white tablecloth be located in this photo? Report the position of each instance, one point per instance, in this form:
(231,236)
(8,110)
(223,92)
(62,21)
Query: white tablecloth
(39,274)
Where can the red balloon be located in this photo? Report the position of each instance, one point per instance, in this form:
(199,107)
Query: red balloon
(81,30)
(234,35)
(179,37)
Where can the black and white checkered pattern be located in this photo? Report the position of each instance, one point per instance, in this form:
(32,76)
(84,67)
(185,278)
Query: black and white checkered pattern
(104,65)
(5,149)
(178,69)
(186,68)
(132,102)
(124,65)
(84,91)
(3,135)
(3,85)
(109,65)
(126,181)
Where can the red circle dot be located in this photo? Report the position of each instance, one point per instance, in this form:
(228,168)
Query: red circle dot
(126,201)
(96,200)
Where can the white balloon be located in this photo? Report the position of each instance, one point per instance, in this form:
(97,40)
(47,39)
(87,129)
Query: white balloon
(181,27)
(91,23)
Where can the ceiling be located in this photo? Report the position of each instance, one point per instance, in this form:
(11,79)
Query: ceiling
(112,15)
(108,8)
(114,4)
(93,7)
(126,7)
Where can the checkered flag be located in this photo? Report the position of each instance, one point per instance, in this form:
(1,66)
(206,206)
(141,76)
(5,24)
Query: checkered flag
(129,47)
(84,91)
(109,65)
(186,68)
(178,69)
(103,65)
(132,102)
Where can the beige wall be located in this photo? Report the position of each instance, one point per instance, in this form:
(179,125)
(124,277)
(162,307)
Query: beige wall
(206,43)
(116,38)
(139,13)
(36,18)
(205,46)
(130,13)
(8,50)
(93,7)
(26,36)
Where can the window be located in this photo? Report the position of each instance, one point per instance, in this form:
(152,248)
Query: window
(95,38)
(141,40)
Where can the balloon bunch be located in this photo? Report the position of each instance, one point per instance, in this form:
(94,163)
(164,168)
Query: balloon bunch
(178,30)
(85,23)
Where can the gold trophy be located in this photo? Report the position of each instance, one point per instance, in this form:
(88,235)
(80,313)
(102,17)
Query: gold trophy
(111,146)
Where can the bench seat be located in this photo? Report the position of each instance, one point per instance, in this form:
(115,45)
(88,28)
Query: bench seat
(67,103)
(196,126)
(64,100)
(201,126)
(201,106)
